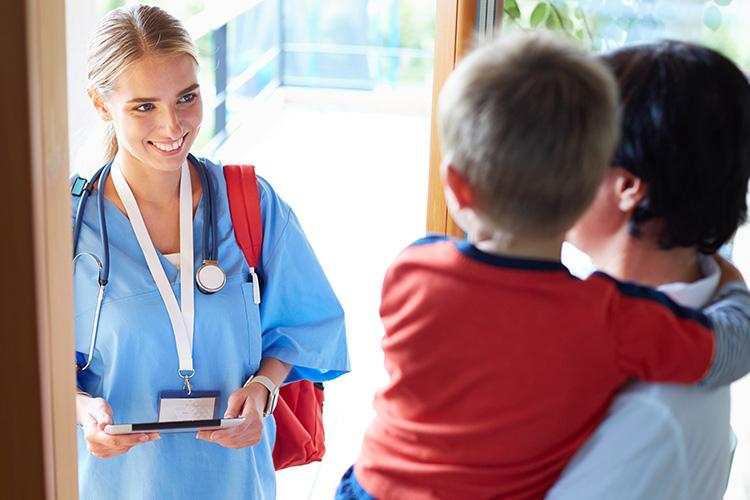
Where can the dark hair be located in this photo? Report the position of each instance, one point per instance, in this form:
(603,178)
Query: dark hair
(686,133)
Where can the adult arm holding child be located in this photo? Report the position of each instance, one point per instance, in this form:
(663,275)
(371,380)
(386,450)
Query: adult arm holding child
(679,344)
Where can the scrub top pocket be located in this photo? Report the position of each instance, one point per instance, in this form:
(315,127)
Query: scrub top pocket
(252,313)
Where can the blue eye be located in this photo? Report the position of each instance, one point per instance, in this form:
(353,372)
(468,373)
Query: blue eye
(187,98)
(146,106)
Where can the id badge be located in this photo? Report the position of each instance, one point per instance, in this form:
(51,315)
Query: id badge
(178,406)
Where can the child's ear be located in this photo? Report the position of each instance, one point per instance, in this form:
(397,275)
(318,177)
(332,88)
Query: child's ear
(630,189)
(459,186)
(99,105)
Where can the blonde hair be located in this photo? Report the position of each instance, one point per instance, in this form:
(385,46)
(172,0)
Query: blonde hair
(532,123)
(124,36)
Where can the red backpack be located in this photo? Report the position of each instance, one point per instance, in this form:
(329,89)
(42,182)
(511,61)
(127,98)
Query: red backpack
(300,438)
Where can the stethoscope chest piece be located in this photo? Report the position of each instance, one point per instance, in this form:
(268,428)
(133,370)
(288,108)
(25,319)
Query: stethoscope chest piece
(210,278)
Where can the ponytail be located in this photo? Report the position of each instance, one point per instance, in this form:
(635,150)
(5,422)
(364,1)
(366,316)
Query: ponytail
(110,144)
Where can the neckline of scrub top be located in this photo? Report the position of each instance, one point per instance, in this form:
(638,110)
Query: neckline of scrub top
(114,214)
(174,259)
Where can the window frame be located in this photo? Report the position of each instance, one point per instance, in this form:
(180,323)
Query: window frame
(456,28)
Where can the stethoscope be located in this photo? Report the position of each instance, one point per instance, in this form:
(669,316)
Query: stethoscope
(210,277)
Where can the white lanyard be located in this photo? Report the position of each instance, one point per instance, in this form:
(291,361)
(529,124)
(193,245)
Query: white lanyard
(182,318)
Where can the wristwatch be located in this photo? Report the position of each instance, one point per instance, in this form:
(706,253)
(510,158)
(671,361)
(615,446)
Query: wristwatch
(273,392)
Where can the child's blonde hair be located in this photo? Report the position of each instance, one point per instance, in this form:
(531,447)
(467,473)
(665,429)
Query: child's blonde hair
(124,36)
(532,123)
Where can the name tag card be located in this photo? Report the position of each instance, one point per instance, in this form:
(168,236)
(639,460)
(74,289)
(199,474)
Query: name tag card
(178,406)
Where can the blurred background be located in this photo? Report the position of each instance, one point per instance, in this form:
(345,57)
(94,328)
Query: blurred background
(330,99)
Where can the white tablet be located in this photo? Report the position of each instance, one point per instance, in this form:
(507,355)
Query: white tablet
(182,426)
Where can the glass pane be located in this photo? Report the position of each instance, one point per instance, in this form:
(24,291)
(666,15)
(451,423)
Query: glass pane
(359,44)
(344,138)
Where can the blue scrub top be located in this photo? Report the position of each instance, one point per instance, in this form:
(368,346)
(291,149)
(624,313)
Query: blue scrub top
(298,321)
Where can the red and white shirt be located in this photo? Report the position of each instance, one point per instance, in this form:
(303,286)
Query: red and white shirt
(500,368)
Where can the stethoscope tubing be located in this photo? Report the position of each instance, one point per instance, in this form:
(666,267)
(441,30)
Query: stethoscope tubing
(101,175)
(103,233)
(209,251)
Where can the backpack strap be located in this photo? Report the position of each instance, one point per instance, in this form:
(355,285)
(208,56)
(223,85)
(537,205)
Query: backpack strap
(244,209)
(300,436)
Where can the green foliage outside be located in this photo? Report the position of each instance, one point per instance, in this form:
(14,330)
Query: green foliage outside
(417,20)
(416,30)
(607,24)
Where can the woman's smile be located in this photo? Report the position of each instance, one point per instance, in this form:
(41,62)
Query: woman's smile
(169,148)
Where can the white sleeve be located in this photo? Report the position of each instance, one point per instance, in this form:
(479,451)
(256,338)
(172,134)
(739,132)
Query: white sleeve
(629,456)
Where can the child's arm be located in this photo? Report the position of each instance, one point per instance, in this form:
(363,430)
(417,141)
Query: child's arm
(730,317)
(655,343)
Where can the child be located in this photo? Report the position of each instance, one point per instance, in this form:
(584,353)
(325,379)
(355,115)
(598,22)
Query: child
(501,362)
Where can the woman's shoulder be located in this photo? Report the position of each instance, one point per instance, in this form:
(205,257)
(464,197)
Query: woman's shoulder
(267,193)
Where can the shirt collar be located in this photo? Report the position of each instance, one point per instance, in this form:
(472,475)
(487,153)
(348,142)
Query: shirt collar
(698,293)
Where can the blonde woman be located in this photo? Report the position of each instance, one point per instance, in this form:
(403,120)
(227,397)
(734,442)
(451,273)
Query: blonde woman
(186,326)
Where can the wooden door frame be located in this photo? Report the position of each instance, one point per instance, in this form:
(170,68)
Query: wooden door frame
(22,474)
(52,241)
(455,33)
(37,308)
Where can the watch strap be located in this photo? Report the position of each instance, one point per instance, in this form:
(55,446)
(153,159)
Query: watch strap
(273,392)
